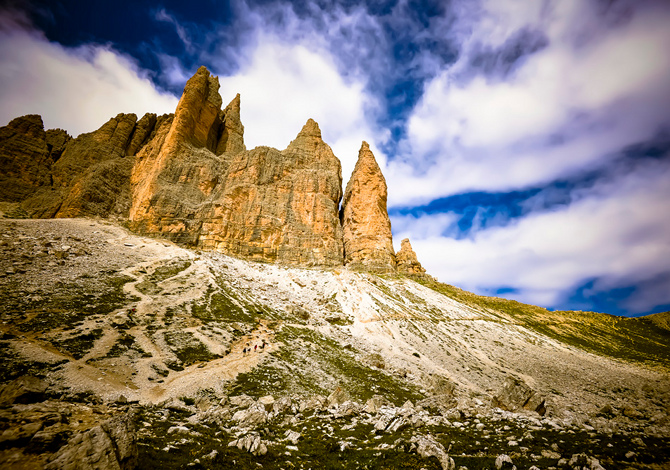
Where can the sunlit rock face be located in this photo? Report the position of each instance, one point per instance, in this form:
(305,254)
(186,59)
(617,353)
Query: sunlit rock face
(197,184)
(368,242)
(279,206)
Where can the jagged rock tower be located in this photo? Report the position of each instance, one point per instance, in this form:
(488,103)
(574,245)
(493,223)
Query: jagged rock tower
(199,186)
(368,242)
(188,177)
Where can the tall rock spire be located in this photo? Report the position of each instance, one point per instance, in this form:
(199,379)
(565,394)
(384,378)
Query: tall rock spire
(231,139)
(368,242)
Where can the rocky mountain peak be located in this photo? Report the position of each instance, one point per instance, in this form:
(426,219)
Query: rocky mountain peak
(196,119)
(310,129)
(366,225)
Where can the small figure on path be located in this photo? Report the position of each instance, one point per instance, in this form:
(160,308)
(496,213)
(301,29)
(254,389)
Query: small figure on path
(255,347)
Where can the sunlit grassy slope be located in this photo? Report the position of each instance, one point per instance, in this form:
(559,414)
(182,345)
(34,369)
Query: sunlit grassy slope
(643,339)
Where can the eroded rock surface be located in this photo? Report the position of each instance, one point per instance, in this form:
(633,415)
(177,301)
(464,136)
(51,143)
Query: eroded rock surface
(26,157)
(366,225)
(279,206)
(407,260)
(196,184)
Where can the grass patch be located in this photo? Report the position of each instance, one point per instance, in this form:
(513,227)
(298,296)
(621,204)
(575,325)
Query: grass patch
(188,348)
(79,346)
(632,339)
(66,304)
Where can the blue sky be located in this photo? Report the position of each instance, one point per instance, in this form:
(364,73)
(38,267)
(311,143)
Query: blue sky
(526,145)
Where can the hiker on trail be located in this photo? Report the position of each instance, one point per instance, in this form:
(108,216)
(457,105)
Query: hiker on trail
(255,347)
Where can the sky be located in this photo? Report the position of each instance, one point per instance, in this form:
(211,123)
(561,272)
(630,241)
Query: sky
(525,144)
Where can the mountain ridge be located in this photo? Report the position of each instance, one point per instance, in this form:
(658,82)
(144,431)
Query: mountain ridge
(188,177)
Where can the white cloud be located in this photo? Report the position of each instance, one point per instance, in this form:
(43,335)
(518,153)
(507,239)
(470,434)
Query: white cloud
(282,85)
(616,232)
(562,109)
(76,89)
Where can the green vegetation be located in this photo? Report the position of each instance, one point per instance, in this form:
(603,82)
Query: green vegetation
(167,271)
(302,366)
(634,339)
(65,305)
(188,348)
(13,366)
(124,344)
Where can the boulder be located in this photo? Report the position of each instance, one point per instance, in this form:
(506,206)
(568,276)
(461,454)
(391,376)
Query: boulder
(366,226)
(338,397)
(25,389)
(251,443)
(110,445)
(427,447)
(374,404)
(252,417)
(584,462)
(516,395)
(504,462)
(268,402)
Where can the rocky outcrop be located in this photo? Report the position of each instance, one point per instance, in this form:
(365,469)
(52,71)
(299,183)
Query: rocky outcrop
(196,184)
(189,177)
(177,171)
(26,156)
(231,138)
(407,260)
(53,175)
(366,225)
(110,445)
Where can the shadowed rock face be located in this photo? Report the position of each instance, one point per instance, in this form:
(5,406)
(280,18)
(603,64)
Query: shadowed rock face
(26,156)
(368,241)
(53,175)
(407,260)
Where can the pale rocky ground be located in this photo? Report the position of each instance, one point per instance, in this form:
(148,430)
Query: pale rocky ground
(111,322)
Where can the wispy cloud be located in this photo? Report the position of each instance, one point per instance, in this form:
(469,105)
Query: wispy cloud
(77,89)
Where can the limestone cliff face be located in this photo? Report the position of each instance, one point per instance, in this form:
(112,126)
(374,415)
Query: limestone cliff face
(407,260)
(279,206)
(176,172)
(368,241)
(196,184)
(53,175)
(231,136)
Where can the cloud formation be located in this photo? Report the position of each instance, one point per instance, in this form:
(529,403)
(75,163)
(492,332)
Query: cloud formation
(77,89)
(613,232)
(539,92)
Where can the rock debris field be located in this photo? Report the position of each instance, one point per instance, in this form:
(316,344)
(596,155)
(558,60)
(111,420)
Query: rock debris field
(120,351)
